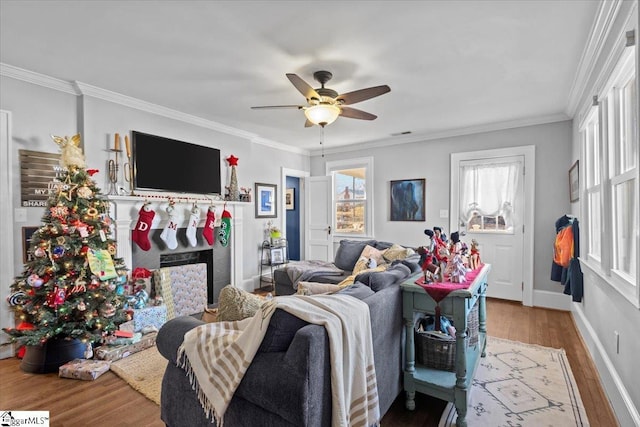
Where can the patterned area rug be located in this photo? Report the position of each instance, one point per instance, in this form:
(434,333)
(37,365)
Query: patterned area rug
(519,384)
(143,371)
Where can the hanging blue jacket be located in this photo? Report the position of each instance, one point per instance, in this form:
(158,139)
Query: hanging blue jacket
(570,277)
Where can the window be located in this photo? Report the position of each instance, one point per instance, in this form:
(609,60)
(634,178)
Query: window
(488,194)
(352,196)
(610,148)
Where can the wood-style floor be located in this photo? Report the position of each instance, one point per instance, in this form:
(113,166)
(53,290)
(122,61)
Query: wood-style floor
(109,401)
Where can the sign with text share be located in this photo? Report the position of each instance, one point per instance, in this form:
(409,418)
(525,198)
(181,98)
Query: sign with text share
(38,177)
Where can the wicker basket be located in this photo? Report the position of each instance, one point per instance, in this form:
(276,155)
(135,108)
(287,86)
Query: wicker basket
(435,350)
(473,325)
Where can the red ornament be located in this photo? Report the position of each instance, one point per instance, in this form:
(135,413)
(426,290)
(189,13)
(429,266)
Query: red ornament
(92,172)
(233,160)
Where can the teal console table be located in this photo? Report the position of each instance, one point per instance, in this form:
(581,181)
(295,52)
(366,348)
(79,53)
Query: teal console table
(450,386)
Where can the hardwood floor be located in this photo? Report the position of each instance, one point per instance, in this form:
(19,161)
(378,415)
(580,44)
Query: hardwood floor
(109,401)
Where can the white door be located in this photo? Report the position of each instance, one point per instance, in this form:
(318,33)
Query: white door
(6,230)
(318,239)
(481,181)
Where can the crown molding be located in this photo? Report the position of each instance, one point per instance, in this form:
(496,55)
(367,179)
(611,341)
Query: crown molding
(7,70)
(450,133)
(83,89)
(600,30)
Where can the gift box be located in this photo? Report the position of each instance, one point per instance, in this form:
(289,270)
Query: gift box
(117,352)
(127,326)
(155,315)
(84,369)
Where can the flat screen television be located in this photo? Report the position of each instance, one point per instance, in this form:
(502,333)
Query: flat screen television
(170,165)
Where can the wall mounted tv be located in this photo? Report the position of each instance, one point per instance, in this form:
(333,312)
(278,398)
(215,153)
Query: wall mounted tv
(169,165)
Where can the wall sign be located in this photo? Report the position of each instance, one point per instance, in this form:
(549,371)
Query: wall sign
(38,177)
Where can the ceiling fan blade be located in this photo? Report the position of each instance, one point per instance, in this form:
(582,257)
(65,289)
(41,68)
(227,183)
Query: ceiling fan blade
(308,123)
(353,113)
(297,107)
(362,94)
(303,87)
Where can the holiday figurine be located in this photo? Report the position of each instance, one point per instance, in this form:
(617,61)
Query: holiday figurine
(456,269)
(474,257)
(234,194)
(430,270)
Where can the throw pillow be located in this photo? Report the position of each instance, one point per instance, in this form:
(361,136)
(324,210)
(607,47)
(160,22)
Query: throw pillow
(237,304)
(373,253)
(357,290)
(282,328)
(348,253)
(397,252)
(314,288)
(361,265)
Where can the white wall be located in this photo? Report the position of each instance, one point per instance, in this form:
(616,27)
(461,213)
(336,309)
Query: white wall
(431,160)
(603,309)
(39,111)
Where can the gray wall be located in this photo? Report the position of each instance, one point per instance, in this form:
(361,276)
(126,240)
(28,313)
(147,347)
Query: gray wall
(431,160)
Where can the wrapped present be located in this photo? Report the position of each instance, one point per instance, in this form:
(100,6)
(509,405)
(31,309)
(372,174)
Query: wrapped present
(84,369)
(155,315)
(127,326)
(117,352)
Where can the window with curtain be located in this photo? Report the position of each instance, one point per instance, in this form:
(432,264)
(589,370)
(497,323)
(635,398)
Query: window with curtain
(488,195)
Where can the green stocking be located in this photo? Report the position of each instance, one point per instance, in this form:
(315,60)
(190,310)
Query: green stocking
(224,234)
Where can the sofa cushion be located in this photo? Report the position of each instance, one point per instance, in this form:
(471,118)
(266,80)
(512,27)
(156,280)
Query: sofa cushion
(383,245)
(412,265)
(348,253)
(281,330)
(357,290)
(397,252)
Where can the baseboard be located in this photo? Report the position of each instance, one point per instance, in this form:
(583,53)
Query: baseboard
(623,406)
(553,300)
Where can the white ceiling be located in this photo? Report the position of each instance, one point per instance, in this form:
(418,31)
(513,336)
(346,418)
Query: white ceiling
(451,65)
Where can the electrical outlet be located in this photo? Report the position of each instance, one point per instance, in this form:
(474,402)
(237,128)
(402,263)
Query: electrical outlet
(617,335)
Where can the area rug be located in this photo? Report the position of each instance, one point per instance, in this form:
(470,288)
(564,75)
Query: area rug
(143,371)
(524,385)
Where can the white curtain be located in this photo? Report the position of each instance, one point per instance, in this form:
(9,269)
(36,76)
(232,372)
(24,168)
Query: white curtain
(489,189)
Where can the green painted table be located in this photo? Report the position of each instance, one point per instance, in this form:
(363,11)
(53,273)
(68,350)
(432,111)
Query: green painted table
(450,386)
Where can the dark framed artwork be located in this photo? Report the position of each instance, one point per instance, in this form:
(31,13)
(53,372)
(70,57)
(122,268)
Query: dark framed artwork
(574,182)
(407,200)
(266,200)
(290,200)
(27,232)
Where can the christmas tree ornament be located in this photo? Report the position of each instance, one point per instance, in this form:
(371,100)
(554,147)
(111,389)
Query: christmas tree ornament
(168,235)
(140,234)
(192,227)
(39,252)
(81,306)
(234,194)
(34,281)
(107,310)
(224,234)
(17,298)
(209,226)
(101,264)
(58,252)
(71,155)
(84,192)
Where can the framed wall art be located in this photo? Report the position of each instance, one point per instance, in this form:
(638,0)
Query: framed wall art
(407,200)
(574,182)
(289,201)
(266,200)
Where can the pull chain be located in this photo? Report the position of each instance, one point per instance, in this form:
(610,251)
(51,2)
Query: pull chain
(322,140)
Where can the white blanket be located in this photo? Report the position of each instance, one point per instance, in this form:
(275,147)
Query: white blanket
(217,355)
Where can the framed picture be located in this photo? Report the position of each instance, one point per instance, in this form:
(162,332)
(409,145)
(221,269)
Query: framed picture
(574,182)
(289,200)
(266,201)
(407,200)
(27,232)
(277,255)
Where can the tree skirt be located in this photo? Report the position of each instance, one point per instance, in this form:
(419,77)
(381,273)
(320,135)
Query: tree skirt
(143,371)
(521,384)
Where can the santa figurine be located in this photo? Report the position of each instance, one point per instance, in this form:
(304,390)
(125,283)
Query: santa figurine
(430,270)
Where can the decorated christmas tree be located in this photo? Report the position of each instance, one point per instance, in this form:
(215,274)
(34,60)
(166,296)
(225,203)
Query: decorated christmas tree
(72,285)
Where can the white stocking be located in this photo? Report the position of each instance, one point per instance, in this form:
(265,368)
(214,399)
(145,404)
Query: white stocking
(168,235)
(192,228)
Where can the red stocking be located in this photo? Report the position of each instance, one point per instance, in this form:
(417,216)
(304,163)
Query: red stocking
(143,226)
(207,233)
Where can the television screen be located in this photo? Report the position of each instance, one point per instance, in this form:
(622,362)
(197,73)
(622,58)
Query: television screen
(170,165)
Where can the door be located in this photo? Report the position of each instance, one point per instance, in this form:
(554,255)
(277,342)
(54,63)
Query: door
(318,242)
(489,203)
(6,230)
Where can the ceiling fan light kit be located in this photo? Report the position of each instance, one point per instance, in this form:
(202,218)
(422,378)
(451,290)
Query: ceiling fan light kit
(325,104)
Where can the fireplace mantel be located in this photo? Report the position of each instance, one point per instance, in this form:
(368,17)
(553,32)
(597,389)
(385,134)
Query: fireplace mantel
(124,212)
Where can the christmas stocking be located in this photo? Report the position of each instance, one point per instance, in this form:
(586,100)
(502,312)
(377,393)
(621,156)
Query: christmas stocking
(225,228)
(168,235)
(192,228)
(207,233)
(140,234)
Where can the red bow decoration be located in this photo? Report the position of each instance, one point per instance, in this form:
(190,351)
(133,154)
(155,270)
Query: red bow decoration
(141,273)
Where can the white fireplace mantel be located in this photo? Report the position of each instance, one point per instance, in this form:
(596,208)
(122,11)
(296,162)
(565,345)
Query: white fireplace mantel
(124,211)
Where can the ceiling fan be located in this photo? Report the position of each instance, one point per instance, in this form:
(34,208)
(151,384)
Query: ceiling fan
(325,105)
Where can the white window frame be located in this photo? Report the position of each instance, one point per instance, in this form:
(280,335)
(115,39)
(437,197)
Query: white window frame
(610,176)
(360,162)
(590,134)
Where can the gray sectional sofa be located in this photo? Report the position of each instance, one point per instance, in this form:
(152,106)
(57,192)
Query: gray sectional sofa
(288,382)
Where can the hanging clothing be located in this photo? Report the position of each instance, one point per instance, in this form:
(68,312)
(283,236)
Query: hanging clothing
(566,267)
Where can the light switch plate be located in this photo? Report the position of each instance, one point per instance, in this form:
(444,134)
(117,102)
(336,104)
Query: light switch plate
(20,215)
(444,213)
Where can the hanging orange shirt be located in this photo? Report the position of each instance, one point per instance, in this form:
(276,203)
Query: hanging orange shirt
(563,247)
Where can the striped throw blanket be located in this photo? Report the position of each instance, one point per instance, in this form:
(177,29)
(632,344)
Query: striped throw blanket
(216,356)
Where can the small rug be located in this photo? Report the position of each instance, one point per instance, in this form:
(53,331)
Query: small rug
(524,385)
(143,371)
